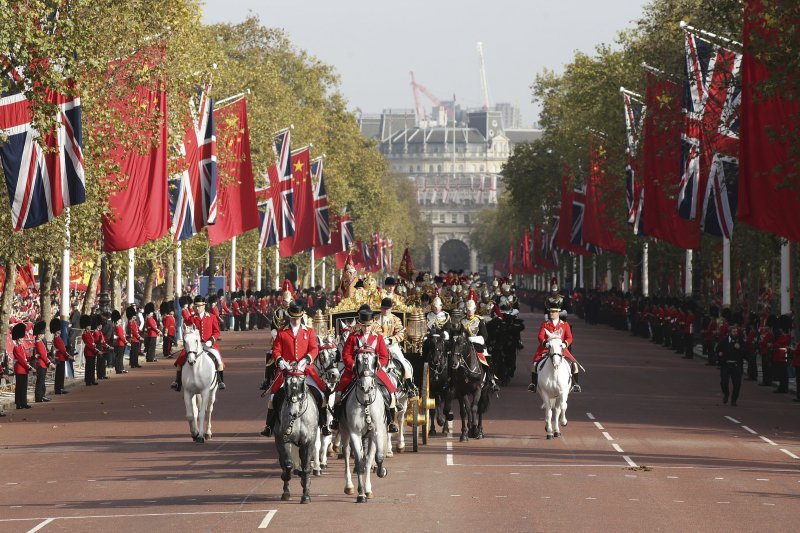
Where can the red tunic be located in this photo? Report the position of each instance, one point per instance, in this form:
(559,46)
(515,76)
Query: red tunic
(293,348)
(796,357)
(42,361)
(89,349)
(119,333)
(225,309)
(60,348)
(780,349)
(208,326)
(566,336)
(236,308)
(361,341)
(186,314)
(169,325)
(21,365)
(151,327)
(134,325)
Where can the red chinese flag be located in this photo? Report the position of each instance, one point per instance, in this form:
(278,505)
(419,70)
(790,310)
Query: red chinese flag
(600,228)
(236,192)
(662,160)
(140,203)
(304,215)
(765,153)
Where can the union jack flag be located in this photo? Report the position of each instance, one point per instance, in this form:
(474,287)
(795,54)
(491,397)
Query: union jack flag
(268,227)
(346,230)
(578,211)
(283,163)
(709,143)
(634,120)
(44,171)
(195,202)
(323,233)
(550,249)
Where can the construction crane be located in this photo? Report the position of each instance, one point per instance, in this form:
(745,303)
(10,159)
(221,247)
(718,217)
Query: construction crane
(420,110)
(484,82)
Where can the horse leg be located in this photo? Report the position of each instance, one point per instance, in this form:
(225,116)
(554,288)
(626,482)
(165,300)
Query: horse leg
(305,470)
(473,413)
(212,396)
(401,423)
(285,459)
(462,404)
(296,460)
(348,471)
(201,417)
(316,463)
(548,414)
(564,409)
(389,452)
(379,454)
(191,413)
(361,465)
(557,418)
(369,458)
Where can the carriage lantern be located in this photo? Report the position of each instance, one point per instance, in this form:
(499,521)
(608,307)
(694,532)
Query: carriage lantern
(320,324)
(415,328)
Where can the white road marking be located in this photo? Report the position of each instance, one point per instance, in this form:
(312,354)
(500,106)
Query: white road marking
(732,419)
(152,501)
(607,436)
(12,483)
(672,477)
(267,519)
(412,494)
(750,430)
(449,446)
(678,501)
(723,502)
(172,477)
(719,478)
(449,459)
(140,515)
(52,481)
(592,475)
(590,415)
(630,462)
(40,526)
(790,454)
(633,499)
(771,504)
(555,474)
(761,479)
(590,498)
(599,426)
(617,447)
(91,480)
(765,439)
(514,473)
(507,496)
(455,495)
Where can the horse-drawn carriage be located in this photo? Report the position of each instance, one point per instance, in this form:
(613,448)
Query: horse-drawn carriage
(338,321)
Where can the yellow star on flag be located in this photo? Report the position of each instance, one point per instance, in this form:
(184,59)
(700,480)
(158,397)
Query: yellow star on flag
(298,167)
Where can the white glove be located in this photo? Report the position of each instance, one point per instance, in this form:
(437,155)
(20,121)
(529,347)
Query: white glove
(446,335)
(282,364)
(301,364)
(388,342)
(274,333)
(563,344)
(477,338)
(209,344)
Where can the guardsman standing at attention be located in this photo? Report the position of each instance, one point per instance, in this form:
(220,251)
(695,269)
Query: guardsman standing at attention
(21,367)
(61,355)
(120,342)
(168,322)
(150,332)
(780,353)
(42,362)
(89,350)
(208,326)
(731,356)
(135,337)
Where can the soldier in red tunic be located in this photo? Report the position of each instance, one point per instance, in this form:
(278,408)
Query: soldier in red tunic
(42,362)
(120,342)
(61,355)
(208,326)
(89,350)
(554,324)
(294,349)
(151,332)
(168,323)
(364,339)
(134,337)
(21,367)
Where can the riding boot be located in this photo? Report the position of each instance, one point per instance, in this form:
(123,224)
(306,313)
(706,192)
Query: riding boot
(323,418)
(176,385)
(220,380)
(411,388)
(534,381)
(392,424)
(575,386)
(267,431)
(337,412)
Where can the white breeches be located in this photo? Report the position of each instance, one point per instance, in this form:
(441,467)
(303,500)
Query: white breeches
(397,354)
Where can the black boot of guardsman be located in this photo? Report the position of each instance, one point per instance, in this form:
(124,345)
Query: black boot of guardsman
(534,379)
(176,385)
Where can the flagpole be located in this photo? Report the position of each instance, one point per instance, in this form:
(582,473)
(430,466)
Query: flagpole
(258,269)
(609,281)
(580,271)
(645,268)
(785,280)
(313,269)
(323,273)
(65,270)
(726,272)
(131,281)
(686,27)
(232,273)
(574,273)
(626,286)
(688,273)
(594,272)
(179,289)
(277,269)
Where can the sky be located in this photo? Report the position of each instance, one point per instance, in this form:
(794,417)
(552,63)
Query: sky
(373,44)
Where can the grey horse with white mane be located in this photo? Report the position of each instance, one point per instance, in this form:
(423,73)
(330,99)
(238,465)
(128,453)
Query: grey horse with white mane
(199,383)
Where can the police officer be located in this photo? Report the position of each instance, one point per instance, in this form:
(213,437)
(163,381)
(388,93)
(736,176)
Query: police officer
(730,352)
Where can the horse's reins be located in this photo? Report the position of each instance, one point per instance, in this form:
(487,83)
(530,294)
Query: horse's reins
(304,399)
(371,394)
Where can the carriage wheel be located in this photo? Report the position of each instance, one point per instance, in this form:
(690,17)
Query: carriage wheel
(425,393)
(414,426)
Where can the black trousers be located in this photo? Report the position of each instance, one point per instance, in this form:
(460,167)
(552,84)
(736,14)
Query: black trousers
(119,359)
(40,390)
(101,365)
(766,370)
(781,371)
(752,367)
(21,390)
(150,349)
(60,373)
(730,372)
(237,322)
(712,354)
(88,376)
(133,358)
(167,346)
(688,346)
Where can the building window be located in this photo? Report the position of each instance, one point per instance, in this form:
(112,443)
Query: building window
(411,168)
(441,218)
(460,168)
(466,218)
(430,168)
(419,168)
(439,169)
(454,218)
(481,168)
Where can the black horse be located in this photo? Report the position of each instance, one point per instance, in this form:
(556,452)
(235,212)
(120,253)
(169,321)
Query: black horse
(504,338)
(467,379)
(434,351)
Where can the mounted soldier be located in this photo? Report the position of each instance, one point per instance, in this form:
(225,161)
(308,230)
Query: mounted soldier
(438,320)
(278,321)
(554,324)
(475,328)
(391,327)
(208,326)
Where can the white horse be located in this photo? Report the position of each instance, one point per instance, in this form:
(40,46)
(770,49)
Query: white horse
(554,385)
(327,365)
(199,385)
(363,427)
(396,374)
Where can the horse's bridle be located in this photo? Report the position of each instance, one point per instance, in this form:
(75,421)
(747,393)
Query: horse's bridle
(294,399)
(460,361)
(439,362)
(371,391)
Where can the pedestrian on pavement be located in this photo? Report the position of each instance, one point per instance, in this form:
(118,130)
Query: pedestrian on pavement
(134,337)
(730,352)
(120,343)
(60,355)
(42,362)
(21,367)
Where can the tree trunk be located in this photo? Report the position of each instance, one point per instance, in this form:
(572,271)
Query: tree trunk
(114,276)
(149,282)
(45,285)
(169,283)
(7,301)
(91,290)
